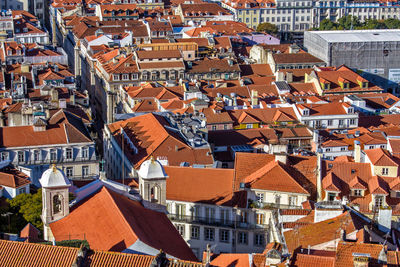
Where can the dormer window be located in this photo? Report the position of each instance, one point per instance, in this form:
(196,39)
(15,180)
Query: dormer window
(346,85)
(125,77)
(350,110)
(385,171)
(116,77)
(357,192)
(306,112)
(365,85)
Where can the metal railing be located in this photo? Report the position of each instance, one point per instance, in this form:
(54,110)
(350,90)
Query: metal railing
(56,161)
(268,205)
(214,222)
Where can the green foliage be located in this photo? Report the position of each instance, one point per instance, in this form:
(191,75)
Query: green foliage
(392,23)
(327,25)
(29,206)
(351,22)
(267,28)
(12,223)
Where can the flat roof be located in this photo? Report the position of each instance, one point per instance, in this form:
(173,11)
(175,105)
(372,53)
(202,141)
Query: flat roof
(359,36)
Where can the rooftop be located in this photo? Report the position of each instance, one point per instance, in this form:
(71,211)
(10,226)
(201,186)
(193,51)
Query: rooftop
(359,36)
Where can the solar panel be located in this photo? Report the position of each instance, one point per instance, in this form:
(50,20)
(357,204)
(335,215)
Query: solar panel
(282,86)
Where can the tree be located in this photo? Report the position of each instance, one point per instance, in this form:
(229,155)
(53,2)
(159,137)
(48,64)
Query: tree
(349,22)
(267,28)
(30,207)
(371,24)
(327,25)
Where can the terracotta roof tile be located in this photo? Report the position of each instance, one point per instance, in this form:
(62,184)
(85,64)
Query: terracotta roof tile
(322,232)
(380,157)
(13,178)
(122,228)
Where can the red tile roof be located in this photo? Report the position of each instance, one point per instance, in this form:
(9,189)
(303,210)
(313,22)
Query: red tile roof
(380,157)
(114,222)
(322,232)
(17,254)
(273,177)
(345,253)
(211,186)
(150,136)
(13,178)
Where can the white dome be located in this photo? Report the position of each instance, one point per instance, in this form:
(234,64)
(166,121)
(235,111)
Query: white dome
(152,169)
(54,177)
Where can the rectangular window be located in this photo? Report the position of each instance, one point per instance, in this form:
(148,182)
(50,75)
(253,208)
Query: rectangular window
(195,212)
(378,201)
(242,238)
(69,171)
(385,171)
(209,234)
(331,196)
(22,190)
(249,126)
(357,192)
(53,155)
(243,216)
(180,210)
(341,122)
(292,200)
(210,214)
(125,77)
(68,153)
(21,156)
(85,171)
(352,121)
(224,215)
(224,236)
(260,218)
(330,122)
(4,156)
(36,155)
(259,240)
(181,229)
(195,232)
(85,152)
(342,149)
(260,197)
(116,77)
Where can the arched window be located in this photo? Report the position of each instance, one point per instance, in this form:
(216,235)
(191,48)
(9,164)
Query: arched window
(155,194)
(57,204)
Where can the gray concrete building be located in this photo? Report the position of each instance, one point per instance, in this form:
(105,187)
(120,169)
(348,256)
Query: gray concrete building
(375,52)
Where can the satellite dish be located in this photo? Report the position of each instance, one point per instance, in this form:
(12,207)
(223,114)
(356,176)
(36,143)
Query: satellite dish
(266,148)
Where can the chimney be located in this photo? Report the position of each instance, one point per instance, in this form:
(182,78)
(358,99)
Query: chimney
(319,176)
(208,254)
(385,219)
(289,77)
(281,157)
(382,258)
(72,98)
(342,235)
(254,98)
(280,76)
(357,151)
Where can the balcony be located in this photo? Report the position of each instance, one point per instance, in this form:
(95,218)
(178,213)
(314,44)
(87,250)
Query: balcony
(215,222)
(88,177)
(267,205)
(57,161)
